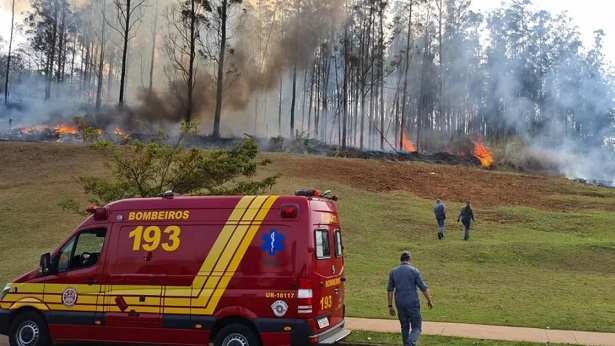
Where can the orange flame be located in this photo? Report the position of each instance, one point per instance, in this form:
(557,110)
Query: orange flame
(61,129)
(482,153)
(406,143)
(66,129)
(118,132)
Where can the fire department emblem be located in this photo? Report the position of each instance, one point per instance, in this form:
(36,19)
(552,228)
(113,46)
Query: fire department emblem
(69,297)
(279,308)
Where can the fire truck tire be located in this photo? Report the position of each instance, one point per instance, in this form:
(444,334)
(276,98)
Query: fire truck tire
(236,334)
(29,329)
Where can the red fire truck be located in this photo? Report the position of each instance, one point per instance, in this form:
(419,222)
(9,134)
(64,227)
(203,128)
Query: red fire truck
(228,270)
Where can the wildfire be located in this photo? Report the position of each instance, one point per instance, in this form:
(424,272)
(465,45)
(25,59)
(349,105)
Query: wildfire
(482,153)
(59,129)
(406,143)
(66,129)
(62,129)
(31,129)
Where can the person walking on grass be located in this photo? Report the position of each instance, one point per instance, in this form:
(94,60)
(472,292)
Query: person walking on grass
(440,211)
(403,282)
(467,217)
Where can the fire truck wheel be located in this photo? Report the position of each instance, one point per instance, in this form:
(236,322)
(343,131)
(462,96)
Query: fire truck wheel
(29,329)
(236,335)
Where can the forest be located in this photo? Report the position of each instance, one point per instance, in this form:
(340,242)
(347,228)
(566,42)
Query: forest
(370,74)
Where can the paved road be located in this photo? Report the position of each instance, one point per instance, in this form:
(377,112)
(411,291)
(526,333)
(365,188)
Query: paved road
(478,332)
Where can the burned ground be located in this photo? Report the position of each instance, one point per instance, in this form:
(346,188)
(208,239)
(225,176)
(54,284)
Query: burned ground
(484,187)
(452,183)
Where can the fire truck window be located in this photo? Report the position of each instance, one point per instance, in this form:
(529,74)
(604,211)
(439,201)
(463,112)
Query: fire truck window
(323,248)
(338,243)
(85,253)
(65,256)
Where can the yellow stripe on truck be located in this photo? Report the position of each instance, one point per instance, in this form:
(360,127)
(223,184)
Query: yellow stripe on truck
(203,303)
(220,243)
(240,253)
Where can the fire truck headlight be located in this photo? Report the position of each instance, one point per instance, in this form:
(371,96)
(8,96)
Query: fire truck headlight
(5,291)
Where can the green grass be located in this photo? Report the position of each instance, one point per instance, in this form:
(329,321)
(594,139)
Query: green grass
(523,266)
(537,269)
(363,337)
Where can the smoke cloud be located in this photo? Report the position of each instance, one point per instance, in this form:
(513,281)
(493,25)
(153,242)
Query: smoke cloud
(531,77)
(20,6)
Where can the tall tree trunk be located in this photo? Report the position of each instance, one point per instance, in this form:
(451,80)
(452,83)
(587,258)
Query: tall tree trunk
(280,106)
(61,42)
(346,71)
(219,89)
(422,99)
(355,100)
(110,76)
(8,58)
(294,91)
(188,114)
(305,80)
(311,100)
(406,68)
(255,128)
(90,68)
(53,51)
(72,62)
(325,96)
(125,53)
(102,57)
(84,66)
(292,100)
(442,123)
(382,96)
(151,64)
(318,99)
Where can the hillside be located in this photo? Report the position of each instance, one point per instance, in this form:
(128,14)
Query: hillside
(542,252)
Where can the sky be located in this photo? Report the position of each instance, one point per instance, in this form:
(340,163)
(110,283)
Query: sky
(588,15)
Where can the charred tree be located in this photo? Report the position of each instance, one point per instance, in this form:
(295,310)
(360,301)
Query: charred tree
(129,13)
(345,87)
(8,58)
(52,53)
(405,76)
(101,59)
(153,52)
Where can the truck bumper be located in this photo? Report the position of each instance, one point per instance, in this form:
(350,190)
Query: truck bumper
(4,321)
(301,334)
(333,335)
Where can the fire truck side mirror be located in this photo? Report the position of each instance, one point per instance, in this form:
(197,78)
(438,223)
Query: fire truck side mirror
(45,263)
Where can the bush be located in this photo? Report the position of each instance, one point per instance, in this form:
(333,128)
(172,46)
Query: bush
(142,169)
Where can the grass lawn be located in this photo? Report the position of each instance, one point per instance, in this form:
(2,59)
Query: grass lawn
(362,337)
(523,266)
(539,269)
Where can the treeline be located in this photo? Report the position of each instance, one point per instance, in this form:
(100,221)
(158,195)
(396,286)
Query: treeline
(357,73)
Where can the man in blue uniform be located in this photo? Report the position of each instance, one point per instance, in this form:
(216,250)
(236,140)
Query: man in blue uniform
(403,282)
(466,215)
(440,211)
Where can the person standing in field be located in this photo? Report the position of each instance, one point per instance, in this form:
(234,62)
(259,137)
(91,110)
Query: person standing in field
(440,211)
(403,282)
(467,217)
